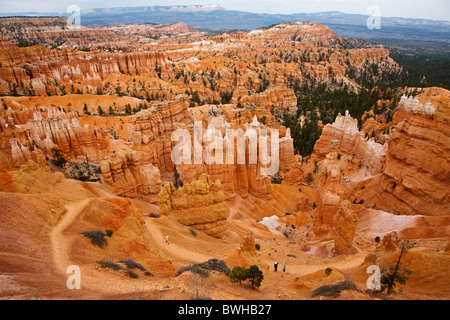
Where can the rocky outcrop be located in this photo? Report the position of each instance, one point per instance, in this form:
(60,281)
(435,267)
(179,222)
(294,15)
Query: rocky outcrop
(344,222)
(278,98)
(295,174)
(332,190)
(60,130)
(127,178)
(248,244)
(389,242)
(243,177)
(200,204)
(416,174)
(343,136)
(152,132)
(312,33)
(46,72)
(55,32)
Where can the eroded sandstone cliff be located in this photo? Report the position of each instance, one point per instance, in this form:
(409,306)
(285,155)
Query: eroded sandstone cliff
(200,204)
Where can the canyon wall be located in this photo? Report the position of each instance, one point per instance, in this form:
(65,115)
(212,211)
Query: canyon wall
(121,171)
(21,142)
(42,71)
(153,130)
(332,191)
(416,174)
(200,204)
(343,136)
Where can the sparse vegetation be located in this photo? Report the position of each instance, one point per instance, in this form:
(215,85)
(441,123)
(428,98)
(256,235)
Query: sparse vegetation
(130,265)
(333,290)
(276,179)
(204,268)
(131,274)
(396,274)
(97,237)
(58,159)
(83,171)
(253,274)
(239,274)
(109,264)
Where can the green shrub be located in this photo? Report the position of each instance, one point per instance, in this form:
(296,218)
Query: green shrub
(109,264)
(131,264)
(254,275)
(239,274)
(97,237)
(192,231)
(58,159)
(328,271)
(334,290)
(258,246)
(131,274)
(277,179)
(203,268)
(394,275)
(109,232)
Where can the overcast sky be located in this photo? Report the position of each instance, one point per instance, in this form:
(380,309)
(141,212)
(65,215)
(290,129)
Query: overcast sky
(426,9)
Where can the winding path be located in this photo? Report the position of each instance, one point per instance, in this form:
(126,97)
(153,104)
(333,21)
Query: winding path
(60,242)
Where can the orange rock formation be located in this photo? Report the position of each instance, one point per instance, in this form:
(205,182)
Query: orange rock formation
(200,204)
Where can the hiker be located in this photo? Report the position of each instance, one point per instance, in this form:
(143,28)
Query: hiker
(167,238)
(284,267)
(275,266)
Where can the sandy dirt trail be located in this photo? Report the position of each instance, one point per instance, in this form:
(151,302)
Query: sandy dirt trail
(60,242)
(90,277)
(173,250)
(183,249)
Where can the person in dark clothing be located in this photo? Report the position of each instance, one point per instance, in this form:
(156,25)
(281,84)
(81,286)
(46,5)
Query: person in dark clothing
(275,266)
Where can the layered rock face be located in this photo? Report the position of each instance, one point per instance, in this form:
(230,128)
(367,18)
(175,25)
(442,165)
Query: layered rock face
(45,72)
(153,130)
(200,204)
(343,136)
(332,191)
(344,222)
(416,175)
(62,130)
(278,98)
(306,32)
(55,32)
(295,174)
(58,130)
(127,178)
(242,176)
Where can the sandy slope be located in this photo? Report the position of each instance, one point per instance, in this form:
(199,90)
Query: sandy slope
(60,242)
(45,255)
